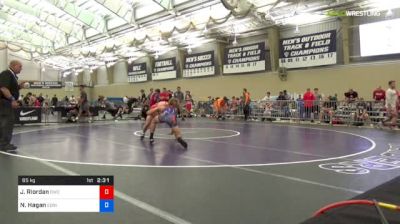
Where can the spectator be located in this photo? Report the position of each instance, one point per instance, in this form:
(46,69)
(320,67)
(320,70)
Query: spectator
(150,94)
(54,103)
(125,99)
(286,95)
(83,103)
(351,96)
(36,102)
(281,96)
(188,103)
(267,114)
(164,95)
(73,101)
(391,105)
(220,105)
(334,100)
(267,97)
(246,104)
(40,98)
(178,94)
(142,96)
(170,94)
(327,111)
(283,103)
(319,97)
(308,98)
(155,97)
(300,107)
(26,99)
(233,105)
(361,114)
(379,94)
(32,100)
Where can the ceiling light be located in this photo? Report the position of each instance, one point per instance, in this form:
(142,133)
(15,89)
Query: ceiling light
(234,43)
(205,31)
(189,50)
(389,13)
(297,31)
(304,18)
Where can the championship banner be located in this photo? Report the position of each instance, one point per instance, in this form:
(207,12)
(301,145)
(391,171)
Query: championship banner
(137,72)
(308,50)
(242,59)
(45,85)
(164,69)
(28,115)
(197,65)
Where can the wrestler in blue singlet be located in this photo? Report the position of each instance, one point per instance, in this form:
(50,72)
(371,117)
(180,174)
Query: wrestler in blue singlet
(168,116)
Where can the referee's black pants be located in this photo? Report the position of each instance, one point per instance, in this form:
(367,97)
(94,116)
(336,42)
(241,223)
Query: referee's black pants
(6,123)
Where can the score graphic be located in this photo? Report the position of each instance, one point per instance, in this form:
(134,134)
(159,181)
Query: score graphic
(106,199)
(66,194)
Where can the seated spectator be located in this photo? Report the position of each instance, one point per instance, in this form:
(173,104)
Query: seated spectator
(72,114)
(327,111)
(361,115)
(234,105)
(379,94)
(73,100)
(220,107)
(333,100)
(267,97)
(351,96)
(267,114)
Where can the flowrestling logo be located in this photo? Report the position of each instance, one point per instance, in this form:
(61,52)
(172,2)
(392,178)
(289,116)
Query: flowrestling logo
(388,160)
(352,13)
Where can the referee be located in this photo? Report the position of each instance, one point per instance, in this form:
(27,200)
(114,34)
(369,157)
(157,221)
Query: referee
(9,93)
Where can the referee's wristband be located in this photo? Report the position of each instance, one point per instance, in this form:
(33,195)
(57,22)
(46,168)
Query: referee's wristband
(11,98)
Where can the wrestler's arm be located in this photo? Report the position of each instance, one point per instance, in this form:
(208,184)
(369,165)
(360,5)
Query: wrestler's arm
(152,111)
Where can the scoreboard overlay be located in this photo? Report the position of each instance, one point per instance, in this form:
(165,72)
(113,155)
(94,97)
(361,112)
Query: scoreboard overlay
(66,194)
